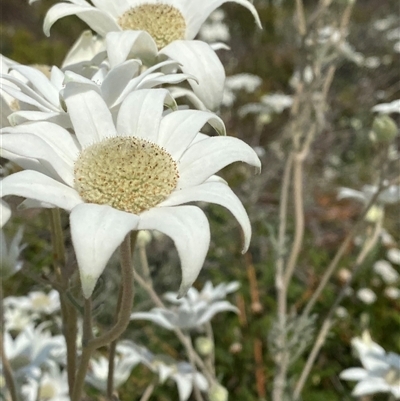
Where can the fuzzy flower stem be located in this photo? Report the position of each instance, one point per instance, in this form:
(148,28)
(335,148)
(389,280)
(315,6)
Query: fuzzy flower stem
(329,320)
(111,356)
(7,371)
(68,311)
(148,392)
(124,313)
(89,343)
(86,352)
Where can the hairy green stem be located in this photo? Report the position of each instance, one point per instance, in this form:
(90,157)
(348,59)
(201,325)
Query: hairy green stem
(90,344)
(68,311)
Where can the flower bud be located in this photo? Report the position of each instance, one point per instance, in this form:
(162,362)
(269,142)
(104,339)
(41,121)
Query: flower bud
(375,213)
(204,346)
(218,393)
(384,128)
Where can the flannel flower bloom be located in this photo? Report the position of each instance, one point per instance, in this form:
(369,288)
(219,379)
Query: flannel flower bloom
(132,175)
(41,97)
(154,29)
(381,372)
(183,373)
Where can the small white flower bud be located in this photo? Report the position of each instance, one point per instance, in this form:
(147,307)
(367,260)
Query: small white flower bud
(204,346)
(385,128)
(144,237)
(218,393)
(374,214)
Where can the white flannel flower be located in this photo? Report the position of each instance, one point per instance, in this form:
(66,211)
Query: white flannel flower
(9,263)
(153,29)
(393,254)
(380,372)
(387,108)
(31,349)
(166,367)
(366,295)
(36,302)
(98,370)
(46,94)
(16,319)
(209,293)
(390,195)
(52,385)
(132,175)
(193,310)
(386,271)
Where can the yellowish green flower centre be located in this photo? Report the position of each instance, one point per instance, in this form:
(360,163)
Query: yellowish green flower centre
(127,173)
(163,22)
(40,301)
(47,391)
(392,377)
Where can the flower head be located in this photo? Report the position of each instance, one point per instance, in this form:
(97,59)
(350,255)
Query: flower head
(165,21)
(193,310)
(132,175)
(154,30)
(381,372)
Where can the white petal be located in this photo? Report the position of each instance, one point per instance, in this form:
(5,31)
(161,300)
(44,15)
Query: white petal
(185,386)
(199,59)
(5,213)
(156,316)
(370,386)
(177,130)
(34,185)
(178,92)
(197,12)
(40,82)
(99,21)
(37,148)
(117,79)
(84,48)
(220,194)
(59,118)
(90,117)
(130,44)
(141,112)
(27,95)
(214,308)
(189,229)
(97,230)
(354,374)
(208,156)
(57,137)
(28,163)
